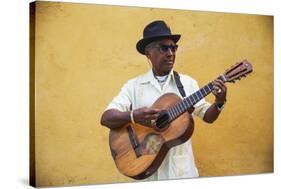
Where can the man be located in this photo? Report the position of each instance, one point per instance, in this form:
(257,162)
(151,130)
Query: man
(133,102)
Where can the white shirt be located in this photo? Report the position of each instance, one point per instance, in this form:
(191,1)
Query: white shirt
(144,90)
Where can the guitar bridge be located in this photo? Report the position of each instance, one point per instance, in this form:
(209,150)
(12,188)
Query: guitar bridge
(134,141)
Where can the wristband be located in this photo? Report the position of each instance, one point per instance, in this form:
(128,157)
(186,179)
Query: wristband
(220,107)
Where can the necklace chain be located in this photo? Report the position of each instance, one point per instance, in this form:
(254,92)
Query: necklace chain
(161,79)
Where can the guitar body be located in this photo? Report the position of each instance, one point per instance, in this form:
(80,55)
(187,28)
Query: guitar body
(138,150)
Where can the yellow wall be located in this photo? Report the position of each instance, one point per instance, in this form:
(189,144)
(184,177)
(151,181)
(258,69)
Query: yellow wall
(84,53)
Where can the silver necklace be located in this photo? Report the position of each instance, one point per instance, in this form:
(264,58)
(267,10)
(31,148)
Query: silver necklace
(161,79)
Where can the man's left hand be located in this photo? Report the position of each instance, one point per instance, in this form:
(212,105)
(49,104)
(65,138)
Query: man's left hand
(219,91)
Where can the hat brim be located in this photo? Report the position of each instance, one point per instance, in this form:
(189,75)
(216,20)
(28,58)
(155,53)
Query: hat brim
(141,44)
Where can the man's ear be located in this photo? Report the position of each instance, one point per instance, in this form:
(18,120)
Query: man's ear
(148,54)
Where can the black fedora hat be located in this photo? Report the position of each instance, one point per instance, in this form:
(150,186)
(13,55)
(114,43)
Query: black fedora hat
(155,31)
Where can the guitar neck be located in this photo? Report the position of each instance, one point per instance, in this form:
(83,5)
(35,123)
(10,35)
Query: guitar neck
(191,100)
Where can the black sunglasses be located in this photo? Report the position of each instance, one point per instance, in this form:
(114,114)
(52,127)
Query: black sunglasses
(164,48)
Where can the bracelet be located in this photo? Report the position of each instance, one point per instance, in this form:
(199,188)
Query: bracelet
(219,106)
(132,117)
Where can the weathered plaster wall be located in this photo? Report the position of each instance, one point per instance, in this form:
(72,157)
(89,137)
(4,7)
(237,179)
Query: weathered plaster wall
(84,53)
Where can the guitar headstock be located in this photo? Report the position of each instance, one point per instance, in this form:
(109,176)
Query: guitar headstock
(240,69)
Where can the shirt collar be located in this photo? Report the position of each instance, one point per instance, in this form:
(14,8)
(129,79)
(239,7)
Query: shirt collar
(149,76)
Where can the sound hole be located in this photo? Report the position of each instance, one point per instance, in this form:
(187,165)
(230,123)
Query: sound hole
(162,120)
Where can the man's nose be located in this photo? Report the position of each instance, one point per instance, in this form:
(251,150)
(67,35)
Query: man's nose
(170,52)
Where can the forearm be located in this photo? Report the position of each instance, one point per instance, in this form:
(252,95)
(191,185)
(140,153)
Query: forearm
(211,114)
(214,110)
(114,118)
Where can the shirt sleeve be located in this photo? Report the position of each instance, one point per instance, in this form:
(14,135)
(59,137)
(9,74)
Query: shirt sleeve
(123,100)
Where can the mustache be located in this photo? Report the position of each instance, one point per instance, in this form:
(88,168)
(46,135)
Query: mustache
(168,61)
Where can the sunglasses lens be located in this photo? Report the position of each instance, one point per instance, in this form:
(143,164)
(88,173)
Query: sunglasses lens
(165,48)
(174,48)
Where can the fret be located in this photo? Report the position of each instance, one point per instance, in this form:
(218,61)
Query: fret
(179,106)
(170,115)
(192,100)
(189,102)
(197,98)
(209,87)
(186,104)
(182,107)
(198,94)
(178,110)
(173,113)
(181,110)
(202,94)
(195,94)
(204,91)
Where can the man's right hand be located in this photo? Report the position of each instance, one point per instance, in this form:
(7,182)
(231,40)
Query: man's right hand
(145,116)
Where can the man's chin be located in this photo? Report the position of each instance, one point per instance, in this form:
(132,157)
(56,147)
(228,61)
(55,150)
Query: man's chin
(169,67)
(167,71)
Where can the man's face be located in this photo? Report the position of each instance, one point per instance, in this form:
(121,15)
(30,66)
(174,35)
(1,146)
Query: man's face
(162,56)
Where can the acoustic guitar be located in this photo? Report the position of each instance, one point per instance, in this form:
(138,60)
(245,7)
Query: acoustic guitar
(139,150)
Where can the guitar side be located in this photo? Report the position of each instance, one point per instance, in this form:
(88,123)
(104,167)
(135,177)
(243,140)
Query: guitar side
(138,151)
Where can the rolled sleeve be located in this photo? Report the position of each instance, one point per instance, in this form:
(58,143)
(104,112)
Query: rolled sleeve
(122,101)
(200,108)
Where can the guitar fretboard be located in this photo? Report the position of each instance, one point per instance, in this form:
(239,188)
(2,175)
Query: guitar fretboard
(190,101)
